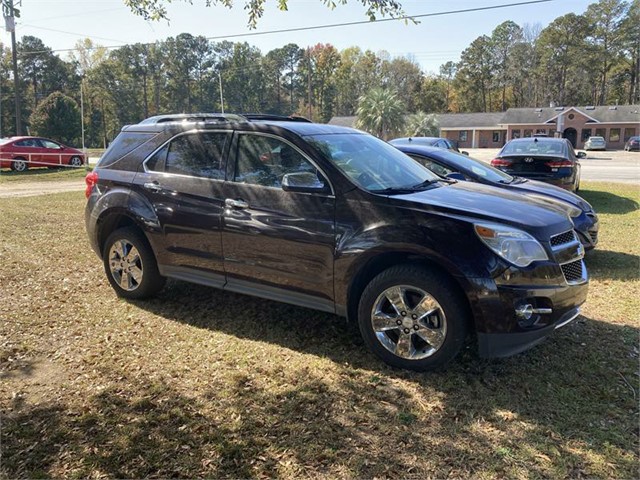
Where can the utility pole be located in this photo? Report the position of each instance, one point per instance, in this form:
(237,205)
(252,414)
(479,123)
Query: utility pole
(309,81)
(221,96)
(10,13)
(84,150)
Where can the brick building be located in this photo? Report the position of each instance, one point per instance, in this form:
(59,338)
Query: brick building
(491,130)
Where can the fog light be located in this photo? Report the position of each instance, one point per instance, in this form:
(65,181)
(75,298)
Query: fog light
(525,311)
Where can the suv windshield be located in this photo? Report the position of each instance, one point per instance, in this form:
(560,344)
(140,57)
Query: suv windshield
(372,164)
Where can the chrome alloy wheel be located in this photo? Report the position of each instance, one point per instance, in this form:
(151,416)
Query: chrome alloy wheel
(125,265)
(409,322)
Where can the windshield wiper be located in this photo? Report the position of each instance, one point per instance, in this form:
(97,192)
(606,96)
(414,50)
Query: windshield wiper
(426,183)
(513,180)
(393,190)
(410,189)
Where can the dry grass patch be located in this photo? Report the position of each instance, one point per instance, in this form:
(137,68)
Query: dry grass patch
(202,383)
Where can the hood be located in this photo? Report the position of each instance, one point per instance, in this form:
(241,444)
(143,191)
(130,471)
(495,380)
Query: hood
(490,204)
(541,188)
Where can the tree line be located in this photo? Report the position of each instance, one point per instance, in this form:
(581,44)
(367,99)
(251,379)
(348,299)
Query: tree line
(588,59)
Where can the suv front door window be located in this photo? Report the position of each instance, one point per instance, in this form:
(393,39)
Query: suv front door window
(265,160)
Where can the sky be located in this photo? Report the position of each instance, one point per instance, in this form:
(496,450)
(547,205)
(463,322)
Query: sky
(432,42)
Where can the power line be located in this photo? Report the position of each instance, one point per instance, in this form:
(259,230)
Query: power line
(69,33)
(332,25)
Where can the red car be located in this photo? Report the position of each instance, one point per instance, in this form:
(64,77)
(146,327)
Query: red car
(21,153)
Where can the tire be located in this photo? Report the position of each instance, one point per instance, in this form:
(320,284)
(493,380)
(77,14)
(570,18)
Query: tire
(19,165)
(75,161)
(130,265)
(418,340)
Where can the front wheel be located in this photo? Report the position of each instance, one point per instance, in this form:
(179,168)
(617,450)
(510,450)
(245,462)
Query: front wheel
(75,161)
(130,265)
(413,318)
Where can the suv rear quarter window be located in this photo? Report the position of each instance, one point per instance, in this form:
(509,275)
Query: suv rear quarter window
(123,144)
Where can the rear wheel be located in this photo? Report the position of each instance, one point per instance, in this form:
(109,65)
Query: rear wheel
(130,265)
(19,165)
(413,318)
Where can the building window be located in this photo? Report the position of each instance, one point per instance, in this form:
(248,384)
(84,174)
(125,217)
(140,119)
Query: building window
(601,132)
(515,133)
(552,133)
(541,131)
(586,133)
(571,116)
(527,133)
(614,135)
(462,136)
(496,137)
(628,133)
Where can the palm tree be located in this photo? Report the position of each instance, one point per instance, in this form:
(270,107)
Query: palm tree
(381,113)
(422,125)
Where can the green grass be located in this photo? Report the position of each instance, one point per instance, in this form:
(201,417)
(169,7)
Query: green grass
(200,383)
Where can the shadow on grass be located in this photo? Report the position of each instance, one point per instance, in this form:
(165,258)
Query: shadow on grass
(609,265)
(373,421)
(606,202)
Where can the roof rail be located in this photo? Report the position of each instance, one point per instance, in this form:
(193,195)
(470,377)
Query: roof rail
(194,117)
(278,118)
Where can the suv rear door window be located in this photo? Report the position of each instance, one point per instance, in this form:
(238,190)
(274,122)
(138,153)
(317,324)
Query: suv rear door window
(195,155)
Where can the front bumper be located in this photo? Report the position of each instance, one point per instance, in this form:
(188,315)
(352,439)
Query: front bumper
(506,334)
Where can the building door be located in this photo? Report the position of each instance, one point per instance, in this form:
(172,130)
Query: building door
(571,134)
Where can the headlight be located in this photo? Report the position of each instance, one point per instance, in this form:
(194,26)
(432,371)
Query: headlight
(572,210)
(514,245)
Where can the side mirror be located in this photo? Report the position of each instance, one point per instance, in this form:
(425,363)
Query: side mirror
(464,152)
(456,176)
(303,182)
(581,154)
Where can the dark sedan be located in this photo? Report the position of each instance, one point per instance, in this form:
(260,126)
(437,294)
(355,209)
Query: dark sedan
(550,160)
(454,165)
(633,144)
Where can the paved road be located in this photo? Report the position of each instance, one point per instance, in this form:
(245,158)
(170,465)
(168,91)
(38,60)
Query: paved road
(598,166)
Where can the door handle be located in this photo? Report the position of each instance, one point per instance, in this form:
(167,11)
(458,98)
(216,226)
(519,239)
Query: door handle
(232,203)
(152,186)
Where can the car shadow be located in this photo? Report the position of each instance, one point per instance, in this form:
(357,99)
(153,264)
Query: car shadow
(606,202)
(610,265)
(351,425)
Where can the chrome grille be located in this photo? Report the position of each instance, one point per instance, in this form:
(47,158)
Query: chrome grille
(562,238)
(572,271)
